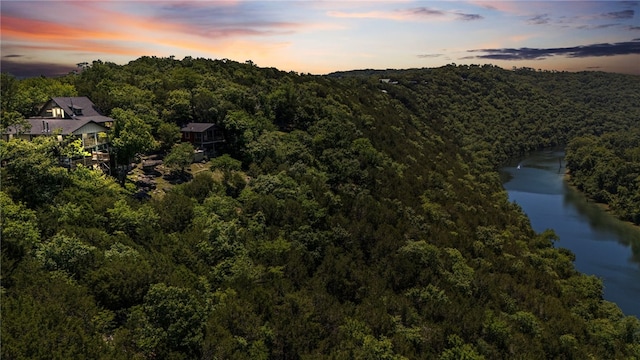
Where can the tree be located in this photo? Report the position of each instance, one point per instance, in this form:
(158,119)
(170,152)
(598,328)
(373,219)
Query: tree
(51,318)
(178,107)
(206,106)
(8,92)
(131,135)
(132,222)
(66,253)
(243,128)
(31,172)
(14,119)
(175,211)
(458,350)
(129,97)
(181,156)
(358,342)
(232,180)
(36,91)
(122,279)
(200,187)
(173,320)
(74,149)
(226,163)
(168,135)
(19,233)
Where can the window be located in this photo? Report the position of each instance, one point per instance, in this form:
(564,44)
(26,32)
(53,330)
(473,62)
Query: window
(57,112)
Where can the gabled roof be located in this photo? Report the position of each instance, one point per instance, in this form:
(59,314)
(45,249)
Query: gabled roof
(65,126)
(77,102)
(197,127)
(100,119)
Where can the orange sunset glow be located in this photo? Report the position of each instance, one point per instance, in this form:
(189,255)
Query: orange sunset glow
(321,37)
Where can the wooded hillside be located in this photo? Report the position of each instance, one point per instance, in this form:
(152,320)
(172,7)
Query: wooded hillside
(607,168)
(348,219)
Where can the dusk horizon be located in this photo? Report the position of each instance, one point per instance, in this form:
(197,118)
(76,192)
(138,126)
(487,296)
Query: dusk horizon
(40,38)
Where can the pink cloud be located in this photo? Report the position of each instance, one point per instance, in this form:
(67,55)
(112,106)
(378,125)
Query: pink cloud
(410,14)
(124,33)
(29,29)
(398,15)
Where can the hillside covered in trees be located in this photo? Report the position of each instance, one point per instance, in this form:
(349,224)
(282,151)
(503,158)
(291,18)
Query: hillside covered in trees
(349,218)
(607,168)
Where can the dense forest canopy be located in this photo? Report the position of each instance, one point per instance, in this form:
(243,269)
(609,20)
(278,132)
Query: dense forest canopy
(347,218)
(607,168)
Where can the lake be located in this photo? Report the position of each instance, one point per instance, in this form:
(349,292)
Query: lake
(602,244)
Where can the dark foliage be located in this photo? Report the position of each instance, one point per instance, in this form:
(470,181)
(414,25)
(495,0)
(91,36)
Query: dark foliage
(350,218)
(607,168)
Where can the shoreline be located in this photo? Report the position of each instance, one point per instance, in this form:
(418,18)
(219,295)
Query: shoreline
(566,178)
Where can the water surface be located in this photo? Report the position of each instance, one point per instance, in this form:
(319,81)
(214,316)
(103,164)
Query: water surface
(602,244)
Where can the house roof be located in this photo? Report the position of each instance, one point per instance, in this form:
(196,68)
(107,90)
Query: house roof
(65,126)
(67,104)
(77,102)
(100,119)
(197,127)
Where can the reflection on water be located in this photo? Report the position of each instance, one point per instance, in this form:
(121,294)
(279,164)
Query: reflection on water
(603,245)
(625,233)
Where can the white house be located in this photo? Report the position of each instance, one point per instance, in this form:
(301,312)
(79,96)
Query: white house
(64,117)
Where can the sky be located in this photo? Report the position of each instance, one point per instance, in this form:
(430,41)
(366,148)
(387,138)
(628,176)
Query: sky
(318,37)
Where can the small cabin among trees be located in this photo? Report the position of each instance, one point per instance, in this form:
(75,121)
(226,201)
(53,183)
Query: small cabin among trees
(202,136)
